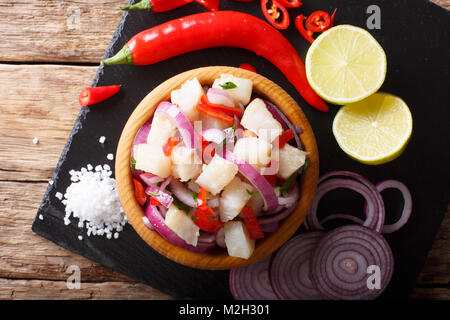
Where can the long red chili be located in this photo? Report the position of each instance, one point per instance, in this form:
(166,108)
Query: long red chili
(156,5)
(219,29)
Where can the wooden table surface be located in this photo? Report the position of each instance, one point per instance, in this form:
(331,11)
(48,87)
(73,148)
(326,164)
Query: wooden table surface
(49,50)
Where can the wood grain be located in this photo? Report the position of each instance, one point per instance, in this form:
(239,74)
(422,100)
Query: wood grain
(219,260)
(41,101)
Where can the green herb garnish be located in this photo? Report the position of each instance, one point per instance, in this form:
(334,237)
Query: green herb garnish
(153,194)
(306,165)
(285,186)
(133,163)
(252,193)
(194,195)
(234,125)
(228,85)
(180,205)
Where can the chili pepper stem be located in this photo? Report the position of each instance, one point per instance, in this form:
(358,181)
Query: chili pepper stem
(141,5)
(121,57)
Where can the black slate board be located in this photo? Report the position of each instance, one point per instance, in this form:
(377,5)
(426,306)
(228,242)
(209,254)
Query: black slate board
(416,37)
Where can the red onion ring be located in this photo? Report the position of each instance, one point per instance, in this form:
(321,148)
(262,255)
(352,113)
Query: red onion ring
(284,121)
(275,218)
(341,216)
(155,218)
(341,259)
(251,282)
(407,206)
(258,181)
(270,227)
(218,96)
(162,196)
(182,193)
(290,273)
(150,178)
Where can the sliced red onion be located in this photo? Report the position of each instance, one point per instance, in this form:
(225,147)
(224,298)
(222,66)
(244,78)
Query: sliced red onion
(291,199)
(155,218)
(258,181)
(150,179)
(182,193)
(290,270)
(218,96)
(338,216)
(214,202)
(207,237)
(214,135)
(375,205)
(284,121)
(163,197)
(270,227)
(342,261)
(407,206)
(276,218)
(252,282)
(165,183)
(142,134)
(147,223)
(181,122)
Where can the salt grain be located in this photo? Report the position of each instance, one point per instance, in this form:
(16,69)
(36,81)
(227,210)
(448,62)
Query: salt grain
(102,139)
(35,140)
(59,195)
(110,156)
(51,182)
(80,237)
(41,217)
(86,197)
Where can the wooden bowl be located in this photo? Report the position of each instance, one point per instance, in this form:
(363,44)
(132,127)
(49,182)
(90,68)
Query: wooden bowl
(218,259)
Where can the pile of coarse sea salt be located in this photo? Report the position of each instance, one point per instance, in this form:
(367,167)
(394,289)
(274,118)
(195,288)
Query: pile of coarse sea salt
(93,199)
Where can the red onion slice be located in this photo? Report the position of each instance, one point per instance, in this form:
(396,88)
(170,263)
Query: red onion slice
(142,134)
(181,122)
(163,197)
(150,179)
(290,273)
(284,121)
(343,217)
(258,181)
(218,96)
(372,212)
(341,261)
(368,184)
(407,206)
(182,193)
(155,218)
(276,218)
(207,237)
(251,282)
(270,227)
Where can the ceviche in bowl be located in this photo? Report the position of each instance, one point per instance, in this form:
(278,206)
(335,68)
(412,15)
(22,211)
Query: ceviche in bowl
(217,167)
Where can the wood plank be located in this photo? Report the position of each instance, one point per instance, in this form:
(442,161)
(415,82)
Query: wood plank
(45,30)
(46,108)
(58,290)
(65,31)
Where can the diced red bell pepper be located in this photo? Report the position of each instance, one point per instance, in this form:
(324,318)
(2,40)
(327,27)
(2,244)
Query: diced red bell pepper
(169,145)
(215,113)
(271,179)
(252,224)
(154,202)
(203,220)
(139,192)
(201,199)
(229,110)
(285,137)
(89,96)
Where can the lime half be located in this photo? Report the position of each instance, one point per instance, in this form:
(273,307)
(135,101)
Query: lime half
(345,64)
(375,130)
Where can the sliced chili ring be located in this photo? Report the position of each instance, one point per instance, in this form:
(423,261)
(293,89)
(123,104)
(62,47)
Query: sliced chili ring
(275,13)
(318,21)
(307,34)
(290,3)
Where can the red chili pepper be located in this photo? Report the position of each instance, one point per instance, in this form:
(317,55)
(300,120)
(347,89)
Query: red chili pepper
(139,192)
(252,224)
(204,222)
(275,13)
(290,3)
(156,5)
(89,96)
(244,0)
(169,145)
(318,21)
(219,29)
(230,110)
(211,5)
(205,145)
(307,34)
(214,113)
(201,199)
(154,202)
(248,66)
(285,137)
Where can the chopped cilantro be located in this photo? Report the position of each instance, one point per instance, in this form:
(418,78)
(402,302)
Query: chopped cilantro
(252,193)
(285,186)
(133,163)
(228,85)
